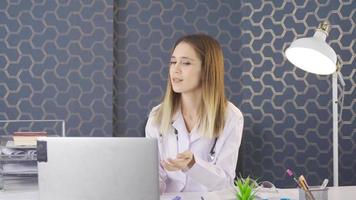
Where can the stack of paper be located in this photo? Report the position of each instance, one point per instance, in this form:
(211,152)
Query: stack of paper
(18,161)
(12,151)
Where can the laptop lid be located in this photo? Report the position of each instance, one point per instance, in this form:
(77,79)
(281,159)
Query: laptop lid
(98,168)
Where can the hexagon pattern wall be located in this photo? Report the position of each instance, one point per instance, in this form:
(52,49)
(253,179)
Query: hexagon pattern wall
(56,63)
(288,116)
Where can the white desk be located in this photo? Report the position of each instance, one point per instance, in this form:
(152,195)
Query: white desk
(335,193)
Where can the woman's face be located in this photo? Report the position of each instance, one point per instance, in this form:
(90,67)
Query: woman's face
(185,69)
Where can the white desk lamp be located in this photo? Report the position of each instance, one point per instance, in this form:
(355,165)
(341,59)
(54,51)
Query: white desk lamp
(314,55)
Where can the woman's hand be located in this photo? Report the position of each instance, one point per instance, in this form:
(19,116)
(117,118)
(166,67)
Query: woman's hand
(184,161)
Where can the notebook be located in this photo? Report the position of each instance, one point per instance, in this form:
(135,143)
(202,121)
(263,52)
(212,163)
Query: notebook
(97,168)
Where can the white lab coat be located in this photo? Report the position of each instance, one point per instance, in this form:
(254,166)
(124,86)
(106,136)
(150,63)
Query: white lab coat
(206,174)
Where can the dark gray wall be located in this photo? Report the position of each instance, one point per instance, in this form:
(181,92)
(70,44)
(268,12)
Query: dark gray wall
(56,62)
(288,116)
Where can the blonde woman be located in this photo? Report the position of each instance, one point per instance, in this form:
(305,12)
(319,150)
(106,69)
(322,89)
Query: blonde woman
(198,130)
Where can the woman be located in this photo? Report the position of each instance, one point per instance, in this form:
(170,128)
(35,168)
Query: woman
(199,132)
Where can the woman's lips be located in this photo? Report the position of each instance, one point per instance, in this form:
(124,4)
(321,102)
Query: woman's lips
(177,80)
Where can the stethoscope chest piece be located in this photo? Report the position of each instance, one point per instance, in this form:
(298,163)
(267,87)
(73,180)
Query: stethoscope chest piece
(211,157)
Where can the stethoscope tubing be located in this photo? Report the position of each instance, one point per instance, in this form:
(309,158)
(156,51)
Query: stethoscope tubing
(212,150)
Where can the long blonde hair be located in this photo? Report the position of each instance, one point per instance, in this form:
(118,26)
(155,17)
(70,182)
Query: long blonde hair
(211,114)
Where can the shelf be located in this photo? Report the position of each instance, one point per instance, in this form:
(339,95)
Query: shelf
(18,174)
(10,144)
(7,158)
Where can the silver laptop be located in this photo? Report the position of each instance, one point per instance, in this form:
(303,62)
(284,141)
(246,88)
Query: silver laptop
(97,168)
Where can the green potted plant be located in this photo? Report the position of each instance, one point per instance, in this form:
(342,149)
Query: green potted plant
(246,189)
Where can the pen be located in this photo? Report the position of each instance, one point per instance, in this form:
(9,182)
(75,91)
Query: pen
(305,187)
(177,198)
(325,183)
(290,173)
(300,184)
(302,179)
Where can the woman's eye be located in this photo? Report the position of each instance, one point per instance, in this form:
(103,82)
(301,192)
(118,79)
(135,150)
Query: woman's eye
(173,62)
(186,63)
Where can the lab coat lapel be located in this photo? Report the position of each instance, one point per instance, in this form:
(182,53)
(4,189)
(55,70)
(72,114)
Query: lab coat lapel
(171,145)
(179,125)
(194,135)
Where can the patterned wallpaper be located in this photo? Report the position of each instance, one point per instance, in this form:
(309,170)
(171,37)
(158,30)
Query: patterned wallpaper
(56,63)
(288,113)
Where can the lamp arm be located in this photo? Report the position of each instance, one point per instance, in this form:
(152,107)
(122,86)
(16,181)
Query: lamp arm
(335,77)
(340,78)
(335,130)
(338,72)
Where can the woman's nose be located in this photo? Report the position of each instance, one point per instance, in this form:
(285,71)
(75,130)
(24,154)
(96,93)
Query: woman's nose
(177,67)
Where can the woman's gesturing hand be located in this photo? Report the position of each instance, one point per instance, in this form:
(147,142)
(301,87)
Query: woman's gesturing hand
(184,161)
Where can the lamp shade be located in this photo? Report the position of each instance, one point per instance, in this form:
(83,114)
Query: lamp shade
(313,54)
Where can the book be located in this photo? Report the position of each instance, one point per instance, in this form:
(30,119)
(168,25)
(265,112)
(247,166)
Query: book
(27,138)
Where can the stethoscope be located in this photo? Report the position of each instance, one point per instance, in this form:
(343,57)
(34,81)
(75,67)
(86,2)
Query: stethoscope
(211,155)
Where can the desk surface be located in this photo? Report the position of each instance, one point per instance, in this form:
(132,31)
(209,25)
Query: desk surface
(335,193)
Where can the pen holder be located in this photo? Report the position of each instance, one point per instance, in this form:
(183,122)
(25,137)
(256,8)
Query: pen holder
(317,192)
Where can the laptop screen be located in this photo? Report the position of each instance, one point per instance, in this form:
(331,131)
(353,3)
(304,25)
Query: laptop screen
(98,168)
